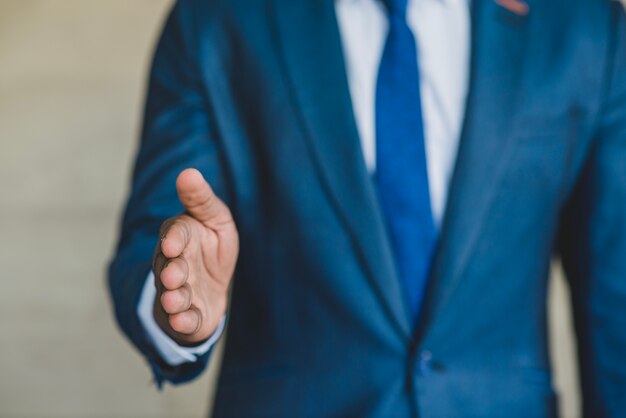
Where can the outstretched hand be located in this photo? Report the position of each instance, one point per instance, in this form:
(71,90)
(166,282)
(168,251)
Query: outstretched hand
(194,262)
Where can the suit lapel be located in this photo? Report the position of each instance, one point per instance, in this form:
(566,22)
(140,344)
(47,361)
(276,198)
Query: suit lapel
(498,46)
(309,42)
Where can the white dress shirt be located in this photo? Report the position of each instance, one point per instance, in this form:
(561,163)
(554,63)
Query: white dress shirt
(442,32)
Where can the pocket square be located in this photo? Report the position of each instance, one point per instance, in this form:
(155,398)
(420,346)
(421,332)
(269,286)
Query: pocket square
(518,7)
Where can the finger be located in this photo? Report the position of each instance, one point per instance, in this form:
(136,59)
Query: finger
(176,301)
(199,199)
(159,262)
(187,322)
(175,237)
(175,274)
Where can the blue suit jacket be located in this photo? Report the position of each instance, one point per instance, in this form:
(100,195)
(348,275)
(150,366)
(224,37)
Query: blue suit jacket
(254,94)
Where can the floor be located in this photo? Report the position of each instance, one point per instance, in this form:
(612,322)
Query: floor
(72,74)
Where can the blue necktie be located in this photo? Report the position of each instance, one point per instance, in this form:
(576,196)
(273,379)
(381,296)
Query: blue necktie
(401,170)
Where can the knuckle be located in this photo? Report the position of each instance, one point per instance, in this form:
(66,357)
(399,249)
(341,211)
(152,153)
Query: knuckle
(166,301)
(175,301)
(175,323)
(168,275)
(171,244)
(184,322)
(201,198)
(166,225)
(175,275)
(171,301)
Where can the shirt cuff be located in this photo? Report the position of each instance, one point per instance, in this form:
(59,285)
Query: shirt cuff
(173,353)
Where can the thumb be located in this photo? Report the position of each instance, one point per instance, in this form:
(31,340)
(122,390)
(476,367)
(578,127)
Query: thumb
(198,197)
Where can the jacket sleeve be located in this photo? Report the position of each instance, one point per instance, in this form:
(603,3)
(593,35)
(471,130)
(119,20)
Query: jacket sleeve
(177,133)
(593,246)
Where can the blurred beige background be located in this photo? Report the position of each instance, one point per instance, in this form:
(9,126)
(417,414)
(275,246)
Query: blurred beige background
(72,75)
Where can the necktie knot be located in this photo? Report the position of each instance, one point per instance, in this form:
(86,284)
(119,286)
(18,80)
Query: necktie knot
(396,8)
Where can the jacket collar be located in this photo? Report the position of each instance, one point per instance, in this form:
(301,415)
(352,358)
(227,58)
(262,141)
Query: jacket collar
(309,43)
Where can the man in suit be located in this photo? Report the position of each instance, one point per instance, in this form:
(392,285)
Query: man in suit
(393,178)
